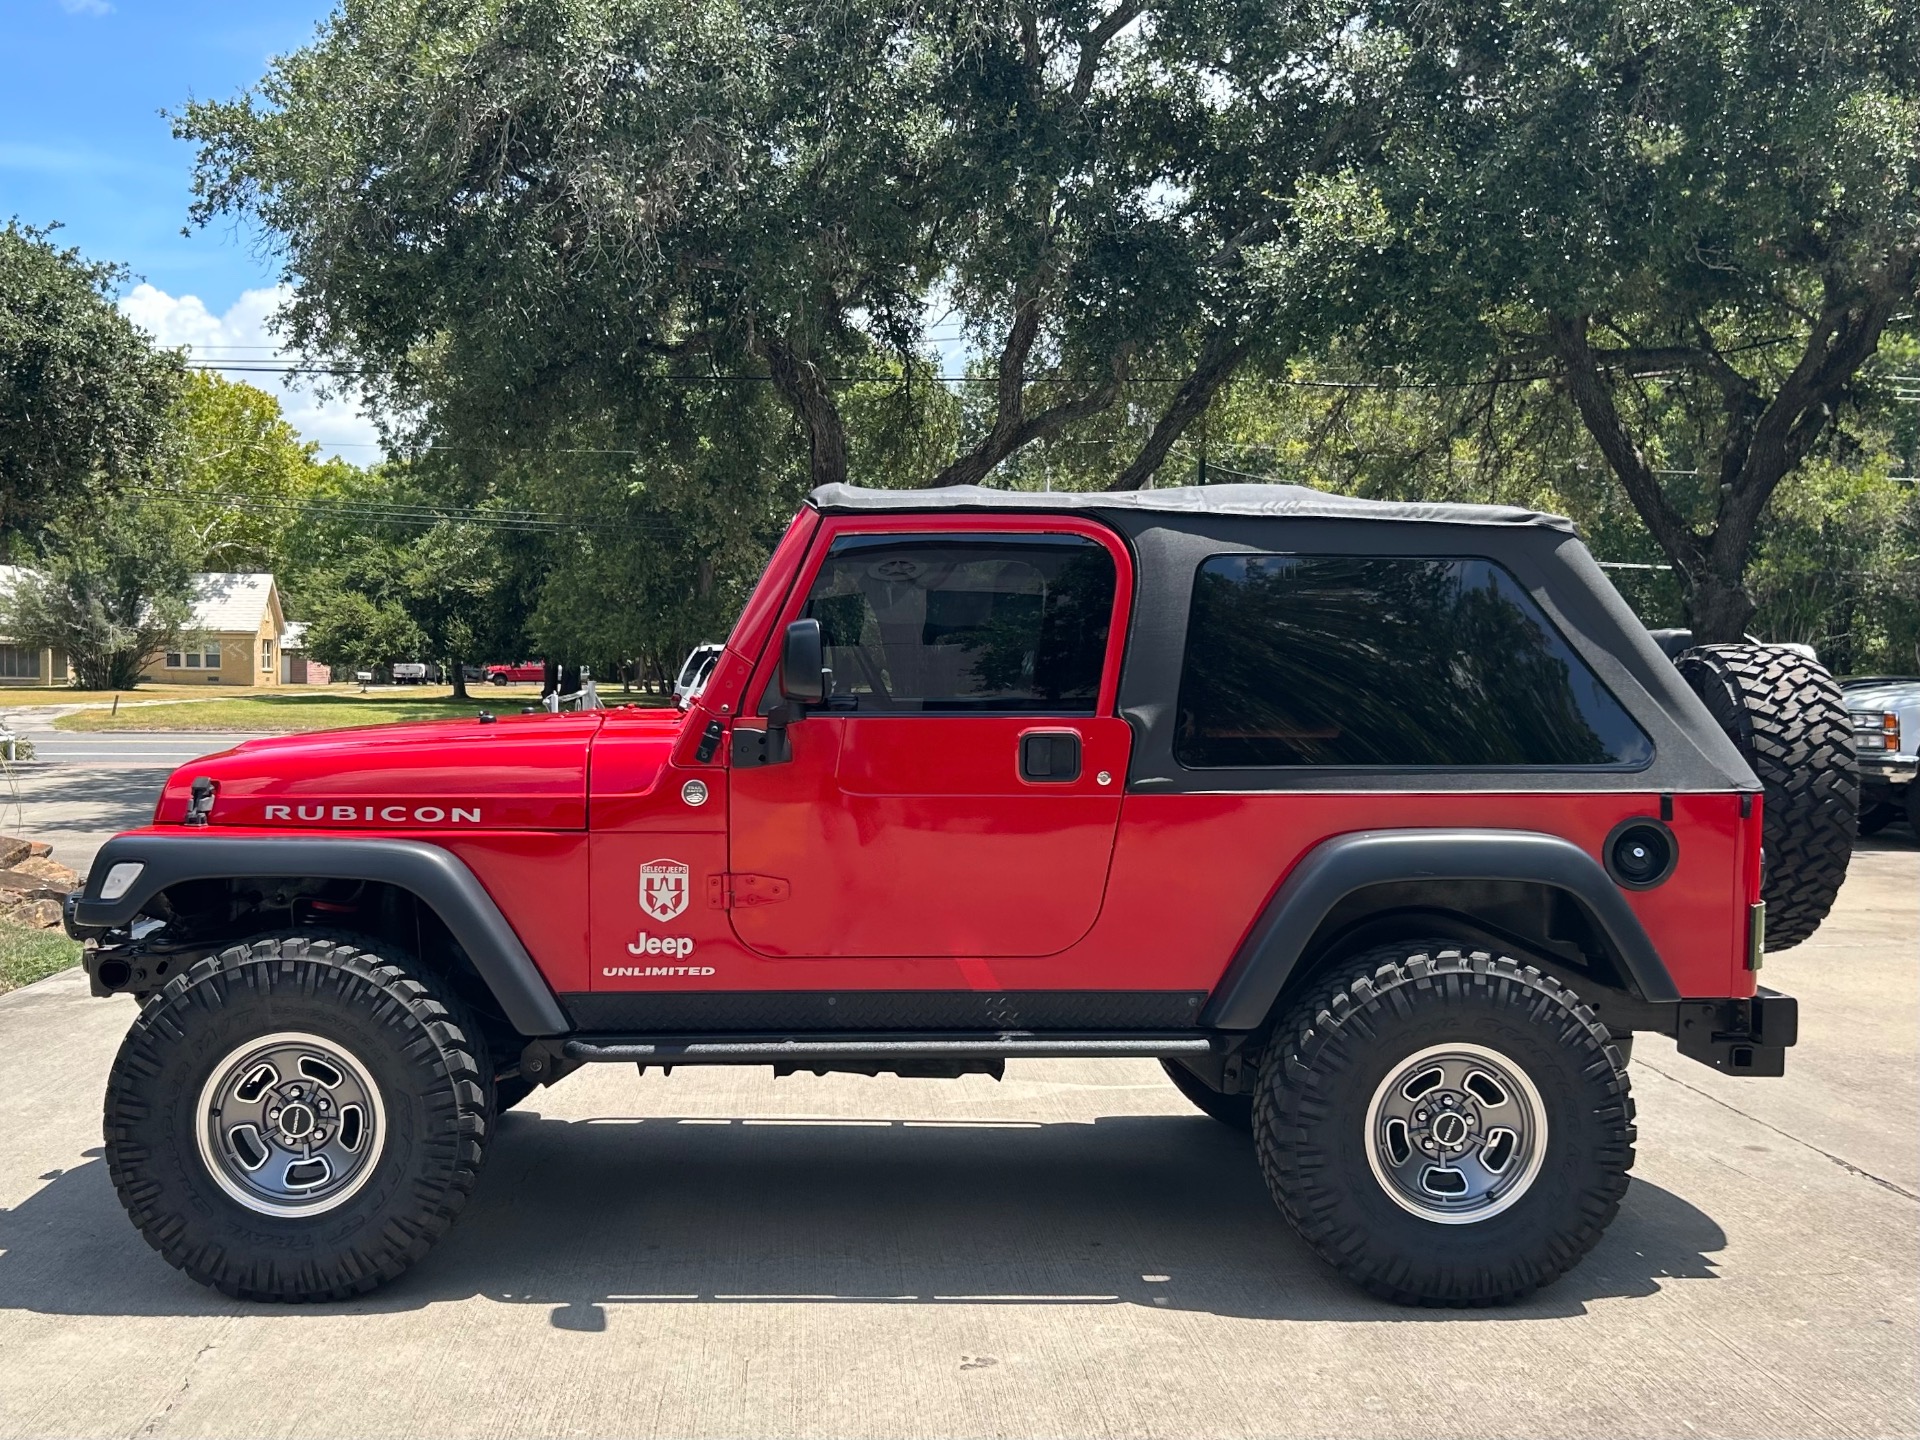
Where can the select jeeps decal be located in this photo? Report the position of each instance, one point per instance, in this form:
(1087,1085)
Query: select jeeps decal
(664,887)
(377,814)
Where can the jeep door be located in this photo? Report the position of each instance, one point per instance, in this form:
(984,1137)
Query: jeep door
(957,792)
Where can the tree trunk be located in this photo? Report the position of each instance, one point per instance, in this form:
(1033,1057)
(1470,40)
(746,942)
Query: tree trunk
(805,388)
(1718,610)
(1219,357)
(459,679)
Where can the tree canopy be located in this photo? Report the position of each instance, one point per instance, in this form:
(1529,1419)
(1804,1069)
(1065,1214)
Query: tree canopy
(84,394)
(639,272)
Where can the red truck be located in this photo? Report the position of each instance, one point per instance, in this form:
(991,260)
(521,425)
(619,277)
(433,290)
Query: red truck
(519,673)
(1384,828)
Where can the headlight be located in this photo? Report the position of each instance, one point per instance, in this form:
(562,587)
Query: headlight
(1875,730)
(120,879)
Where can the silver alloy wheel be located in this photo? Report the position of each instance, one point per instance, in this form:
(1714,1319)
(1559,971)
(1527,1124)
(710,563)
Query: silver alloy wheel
(291,1125)
(1456,1133)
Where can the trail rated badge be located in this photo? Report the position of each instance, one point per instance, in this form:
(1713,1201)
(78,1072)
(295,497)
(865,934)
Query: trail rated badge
(663,888)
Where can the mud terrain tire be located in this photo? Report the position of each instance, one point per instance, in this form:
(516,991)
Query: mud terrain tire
(409,1064)
(1786,715)
(1361,1038)
(1233,1110)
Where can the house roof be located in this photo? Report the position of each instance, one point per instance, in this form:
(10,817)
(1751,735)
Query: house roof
(233,601)
(1273,501)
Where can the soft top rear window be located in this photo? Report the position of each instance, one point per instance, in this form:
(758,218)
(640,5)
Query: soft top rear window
(1355,661)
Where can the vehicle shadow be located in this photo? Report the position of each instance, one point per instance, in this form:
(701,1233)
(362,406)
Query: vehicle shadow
(576,1216)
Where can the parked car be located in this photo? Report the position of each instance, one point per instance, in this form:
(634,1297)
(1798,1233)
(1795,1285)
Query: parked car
(413,672)
(518,673)
(695,673)
(1384,828)
(1885,710)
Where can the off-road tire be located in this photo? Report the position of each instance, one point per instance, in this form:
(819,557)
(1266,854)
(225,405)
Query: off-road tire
(409,1033)
(1786,715)
(1232,1110)
(1339,1046)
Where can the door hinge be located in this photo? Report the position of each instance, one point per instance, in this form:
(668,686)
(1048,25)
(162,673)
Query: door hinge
(730,891)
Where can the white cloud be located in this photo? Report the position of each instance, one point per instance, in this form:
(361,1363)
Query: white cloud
(86,7)
(242,338)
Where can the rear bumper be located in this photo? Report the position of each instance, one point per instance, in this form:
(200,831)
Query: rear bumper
(1739,1037)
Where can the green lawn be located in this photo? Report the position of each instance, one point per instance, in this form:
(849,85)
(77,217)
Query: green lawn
(29,955)
(314,710)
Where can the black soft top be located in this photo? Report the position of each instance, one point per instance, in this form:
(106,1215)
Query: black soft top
(1290,502)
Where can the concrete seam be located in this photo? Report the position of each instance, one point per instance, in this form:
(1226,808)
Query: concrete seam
(1846,1165)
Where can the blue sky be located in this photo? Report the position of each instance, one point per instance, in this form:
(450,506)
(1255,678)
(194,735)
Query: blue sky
(83,142)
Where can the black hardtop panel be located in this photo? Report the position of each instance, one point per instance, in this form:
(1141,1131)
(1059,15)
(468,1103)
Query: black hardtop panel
(1274,502)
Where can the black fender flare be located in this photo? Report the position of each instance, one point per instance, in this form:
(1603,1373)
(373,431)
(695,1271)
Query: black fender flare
(1336,868)
(436,877)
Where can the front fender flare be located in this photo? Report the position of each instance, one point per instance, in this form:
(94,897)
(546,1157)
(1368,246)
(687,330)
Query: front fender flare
(1336,868)
(434,876)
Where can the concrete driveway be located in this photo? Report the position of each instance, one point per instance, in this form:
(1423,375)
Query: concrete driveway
(1070,1252)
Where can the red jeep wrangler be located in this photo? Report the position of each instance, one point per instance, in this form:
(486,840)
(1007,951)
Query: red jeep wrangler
(1383,827)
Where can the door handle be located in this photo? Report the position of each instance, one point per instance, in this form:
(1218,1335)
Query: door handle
(1050,757)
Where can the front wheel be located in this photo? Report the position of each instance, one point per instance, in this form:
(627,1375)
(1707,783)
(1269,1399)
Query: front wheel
(1446,1128)
(296,1118)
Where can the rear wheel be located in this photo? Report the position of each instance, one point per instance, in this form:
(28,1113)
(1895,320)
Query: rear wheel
(296,1118)
(1445,1128)
(1234,1110)
(1786,715)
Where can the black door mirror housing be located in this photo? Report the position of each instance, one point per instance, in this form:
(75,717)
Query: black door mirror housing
(803,667)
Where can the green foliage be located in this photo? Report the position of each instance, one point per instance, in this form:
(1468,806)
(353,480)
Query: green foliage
(1698,218)
(244,473)
(84,395)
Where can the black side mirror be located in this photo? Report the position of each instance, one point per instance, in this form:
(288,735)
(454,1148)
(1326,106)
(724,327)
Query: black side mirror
(803,667)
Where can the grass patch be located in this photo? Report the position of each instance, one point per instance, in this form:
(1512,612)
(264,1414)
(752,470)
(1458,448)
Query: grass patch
(292,712)
(318,710)
(30,955)
(29,697)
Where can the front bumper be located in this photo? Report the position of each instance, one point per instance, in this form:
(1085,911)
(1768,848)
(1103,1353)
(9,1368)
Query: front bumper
(1740,1037)
(1889,768)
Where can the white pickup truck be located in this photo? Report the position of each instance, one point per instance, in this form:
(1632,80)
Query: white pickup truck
(1886,736)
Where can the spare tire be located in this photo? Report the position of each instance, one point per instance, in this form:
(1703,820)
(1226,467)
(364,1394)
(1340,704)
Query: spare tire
(1785,714)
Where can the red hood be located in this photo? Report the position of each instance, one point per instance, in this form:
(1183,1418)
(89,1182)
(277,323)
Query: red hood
(519,772)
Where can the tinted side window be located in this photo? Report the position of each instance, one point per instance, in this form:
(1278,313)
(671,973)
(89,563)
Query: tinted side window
(1360,660)
(960,623)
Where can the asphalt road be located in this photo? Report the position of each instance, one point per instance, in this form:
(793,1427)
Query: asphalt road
(1069,1252)
(124,749)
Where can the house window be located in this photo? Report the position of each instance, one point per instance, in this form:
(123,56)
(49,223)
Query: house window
(207,659)
(19,662)
(266,654)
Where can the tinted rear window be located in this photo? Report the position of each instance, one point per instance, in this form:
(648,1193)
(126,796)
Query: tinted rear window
(1384,660)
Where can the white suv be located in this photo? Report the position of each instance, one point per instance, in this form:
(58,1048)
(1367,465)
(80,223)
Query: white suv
(1886,736)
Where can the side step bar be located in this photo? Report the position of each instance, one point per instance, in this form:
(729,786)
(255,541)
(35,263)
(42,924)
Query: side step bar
(758,1049)
(546,1060)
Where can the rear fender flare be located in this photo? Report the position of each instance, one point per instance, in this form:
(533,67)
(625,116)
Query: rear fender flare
(434,876)
(1338,867)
